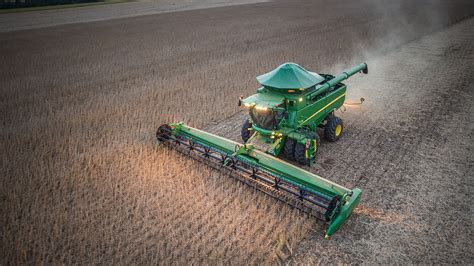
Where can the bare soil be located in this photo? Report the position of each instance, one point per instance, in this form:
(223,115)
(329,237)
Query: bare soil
(409,147)
(83,180)
(59,16)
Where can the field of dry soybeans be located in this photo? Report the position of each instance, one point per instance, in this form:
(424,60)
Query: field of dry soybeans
(84,181)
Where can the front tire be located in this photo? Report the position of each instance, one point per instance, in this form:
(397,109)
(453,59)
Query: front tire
(304,155)
(333,129)
(289,148)
(245,132)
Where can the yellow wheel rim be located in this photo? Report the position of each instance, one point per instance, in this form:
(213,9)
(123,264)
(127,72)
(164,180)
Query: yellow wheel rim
(338,130)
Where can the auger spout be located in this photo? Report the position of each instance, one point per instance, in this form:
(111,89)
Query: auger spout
(341,77)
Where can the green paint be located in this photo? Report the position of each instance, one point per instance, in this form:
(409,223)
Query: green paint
(286,171)
(344,212)
(289,76)
(298,99)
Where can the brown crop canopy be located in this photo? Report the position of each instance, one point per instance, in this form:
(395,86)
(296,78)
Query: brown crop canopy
(290,76)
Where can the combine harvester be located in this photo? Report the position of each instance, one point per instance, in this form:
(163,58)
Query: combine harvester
(284,115)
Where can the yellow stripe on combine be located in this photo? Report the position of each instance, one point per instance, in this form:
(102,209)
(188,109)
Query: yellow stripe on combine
(327,105)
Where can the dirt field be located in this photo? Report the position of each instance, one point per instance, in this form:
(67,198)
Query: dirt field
(85,182)
(47,18)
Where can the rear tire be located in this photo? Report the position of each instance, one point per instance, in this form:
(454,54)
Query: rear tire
(289,148)
(333,129)
(245,133)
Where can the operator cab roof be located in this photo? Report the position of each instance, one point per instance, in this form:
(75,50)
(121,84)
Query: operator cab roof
(264,99)
(289,76)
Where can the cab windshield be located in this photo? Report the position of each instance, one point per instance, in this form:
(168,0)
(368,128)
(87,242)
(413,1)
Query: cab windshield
(266,119)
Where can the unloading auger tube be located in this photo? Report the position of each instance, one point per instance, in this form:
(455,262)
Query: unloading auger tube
(341,77)
(336,202)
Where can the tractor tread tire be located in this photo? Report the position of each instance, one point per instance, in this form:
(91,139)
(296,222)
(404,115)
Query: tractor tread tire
(330,128)
(245,133)
(300,154)
(289,148)
(300,150)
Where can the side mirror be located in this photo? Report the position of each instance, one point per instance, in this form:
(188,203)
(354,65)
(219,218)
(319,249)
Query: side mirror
(240,101)
(365,70)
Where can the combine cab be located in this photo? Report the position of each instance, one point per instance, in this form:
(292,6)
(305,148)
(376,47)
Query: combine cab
(284,115)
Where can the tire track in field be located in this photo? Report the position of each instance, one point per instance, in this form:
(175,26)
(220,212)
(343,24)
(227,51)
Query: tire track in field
(406,111)
(426,117)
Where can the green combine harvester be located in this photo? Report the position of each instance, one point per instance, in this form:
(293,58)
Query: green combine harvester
(284,115)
